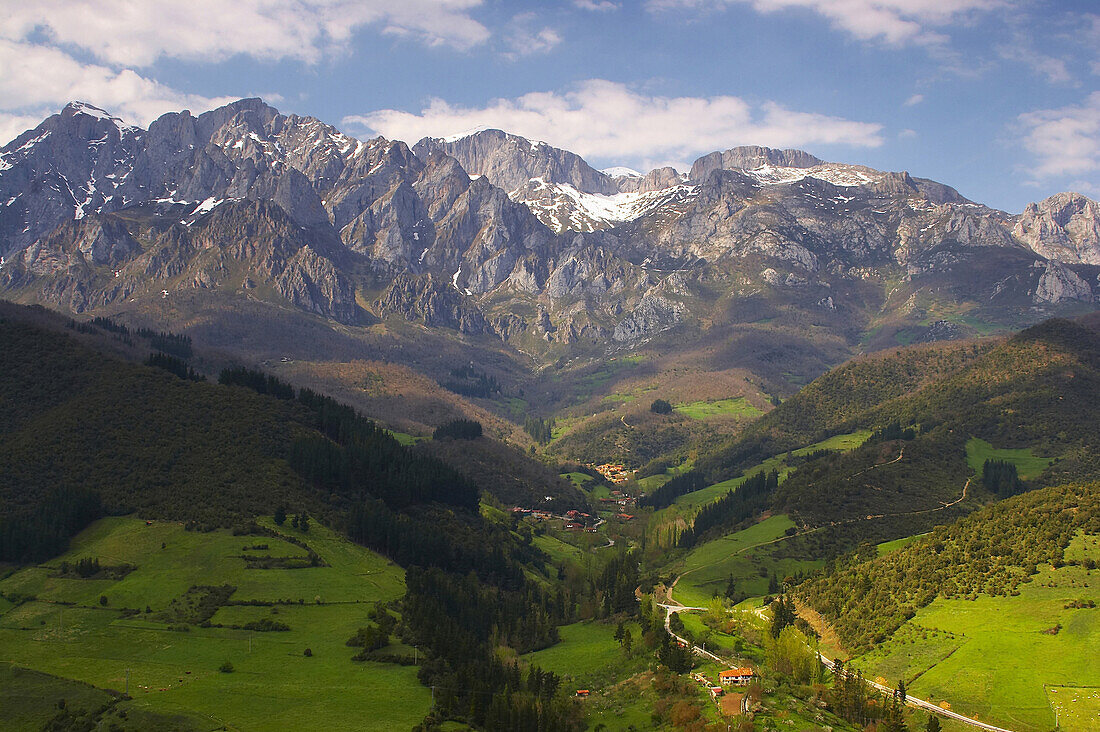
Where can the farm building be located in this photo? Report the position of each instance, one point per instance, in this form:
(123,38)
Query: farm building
(735,677)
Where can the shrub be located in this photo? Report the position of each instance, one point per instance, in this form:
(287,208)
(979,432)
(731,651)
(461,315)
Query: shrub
(660,406)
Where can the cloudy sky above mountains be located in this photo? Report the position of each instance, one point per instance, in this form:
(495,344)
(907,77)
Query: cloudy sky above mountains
(1000,98)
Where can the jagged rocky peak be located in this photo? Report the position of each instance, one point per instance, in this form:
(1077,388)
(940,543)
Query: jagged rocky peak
(1064,227)
(510,161)
(74,163)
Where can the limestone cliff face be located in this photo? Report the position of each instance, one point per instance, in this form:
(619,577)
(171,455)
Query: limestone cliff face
(1058,283)
(750,157)
(494,235)
(1063,228)
(510,161)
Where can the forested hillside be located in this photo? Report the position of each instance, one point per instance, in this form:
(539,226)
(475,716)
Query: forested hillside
(86,434)
(992,551)
(1034,393)
(842,400)
(129,437)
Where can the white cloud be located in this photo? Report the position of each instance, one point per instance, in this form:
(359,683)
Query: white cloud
(1065,141)
(36,81)
(1054,69)
(607,120)
(524,39)
(907,134)
(914,100)
(138,32)
(601,5)
(896,22)
(13,125)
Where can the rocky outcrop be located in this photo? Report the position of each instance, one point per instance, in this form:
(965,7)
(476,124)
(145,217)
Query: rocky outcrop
(750,157)
(653,314)
(1064,227)
(509,161)
(1058,283)
(434,303)
(655,180)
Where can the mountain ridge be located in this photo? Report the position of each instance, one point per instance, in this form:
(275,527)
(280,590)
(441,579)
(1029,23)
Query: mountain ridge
(245,204)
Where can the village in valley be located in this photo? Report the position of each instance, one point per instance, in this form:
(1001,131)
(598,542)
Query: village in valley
(614,506)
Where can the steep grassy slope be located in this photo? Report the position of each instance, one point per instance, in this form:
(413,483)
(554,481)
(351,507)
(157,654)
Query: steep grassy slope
(66,630)
(991,552)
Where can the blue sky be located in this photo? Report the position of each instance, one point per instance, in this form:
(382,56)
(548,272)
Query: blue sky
(999,98)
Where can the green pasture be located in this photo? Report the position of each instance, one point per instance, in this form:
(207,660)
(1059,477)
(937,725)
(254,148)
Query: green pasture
(705,571)
(1076,708)
(738,408)
(589,657)
(579,479)
(1005,659)
(275,685)
(588,654)
(558,550)
(887,547)
(403,438)
(1027,465)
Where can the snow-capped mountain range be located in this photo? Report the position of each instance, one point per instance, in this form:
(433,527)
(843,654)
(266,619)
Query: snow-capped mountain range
(492,233)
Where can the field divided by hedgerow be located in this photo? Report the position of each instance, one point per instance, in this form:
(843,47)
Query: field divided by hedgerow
(174,667)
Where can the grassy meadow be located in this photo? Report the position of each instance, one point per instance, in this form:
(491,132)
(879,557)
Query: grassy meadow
(1011,660)
(589,657)
(67,631)
(738,408)
(1027,465)
(705,571)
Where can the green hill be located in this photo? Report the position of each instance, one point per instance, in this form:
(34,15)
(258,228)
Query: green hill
(931,407)
(141,635)
(996,612)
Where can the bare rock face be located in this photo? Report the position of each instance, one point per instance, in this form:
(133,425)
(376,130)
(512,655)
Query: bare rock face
(1058,283)
(1064,227)
(750,157)
(655,180)
(509,161)
(76,162)
(493,234)
(433,303)
(652,315)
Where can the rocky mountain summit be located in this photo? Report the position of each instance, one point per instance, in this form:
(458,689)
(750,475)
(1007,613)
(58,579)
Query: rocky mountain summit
(492,234)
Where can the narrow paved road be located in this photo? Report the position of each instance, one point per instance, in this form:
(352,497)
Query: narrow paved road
(674,607)
(911,700)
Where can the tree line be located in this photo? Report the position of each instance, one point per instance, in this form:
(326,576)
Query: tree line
(744,502)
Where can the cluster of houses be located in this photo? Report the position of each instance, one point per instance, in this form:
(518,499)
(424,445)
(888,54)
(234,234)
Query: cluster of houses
(618,500)
(614,472)
(573,519)
(578,521)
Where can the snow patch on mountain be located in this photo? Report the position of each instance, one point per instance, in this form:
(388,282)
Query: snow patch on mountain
(620,171)
(565,208)
(836,173)
(96,112)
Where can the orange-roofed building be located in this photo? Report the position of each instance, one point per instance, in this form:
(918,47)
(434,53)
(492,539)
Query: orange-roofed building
(735,677)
